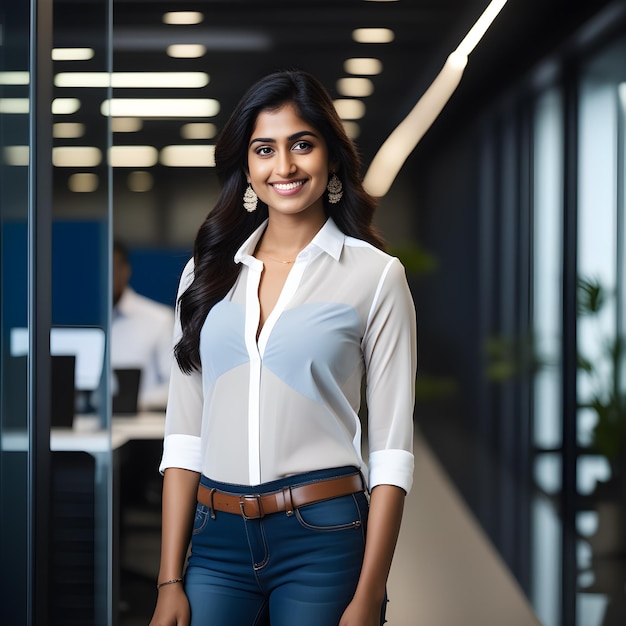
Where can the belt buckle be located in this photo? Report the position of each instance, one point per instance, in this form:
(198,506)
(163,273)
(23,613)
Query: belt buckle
(242,505)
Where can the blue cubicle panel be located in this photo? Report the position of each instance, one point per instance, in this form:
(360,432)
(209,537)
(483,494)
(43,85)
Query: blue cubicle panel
(14,273)
(80,273)
(156,272)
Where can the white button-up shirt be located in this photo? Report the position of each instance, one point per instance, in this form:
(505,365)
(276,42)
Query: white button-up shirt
(289,402)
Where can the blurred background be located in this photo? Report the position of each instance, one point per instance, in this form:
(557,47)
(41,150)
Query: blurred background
(509,216)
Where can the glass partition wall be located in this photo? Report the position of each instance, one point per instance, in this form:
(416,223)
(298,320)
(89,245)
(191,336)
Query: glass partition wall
(15,448)
(56,455)
(570,419)
(601,392)
(579,430)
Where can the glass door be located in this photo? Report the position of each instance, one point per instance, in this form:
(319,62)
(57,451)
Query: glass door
(56,454)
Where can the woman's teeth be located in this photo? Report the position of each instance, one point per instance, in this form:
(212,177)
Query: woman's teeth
(287,186)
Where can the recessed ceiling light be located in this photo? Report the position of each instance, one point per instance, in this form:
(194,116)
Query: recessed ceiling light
(349,109)
(353,130)
(363,66)
(156,80)
(355,87)
(84,182)
(76,156)
(183,17)
(160,107)
(72,54)
(16,155)
(140,182)
(186,50)
(126,125)
(14,105)
(188,156)
(65,106)
(133,156)
(68,130)
(373,35)
(14,78)
(198,130)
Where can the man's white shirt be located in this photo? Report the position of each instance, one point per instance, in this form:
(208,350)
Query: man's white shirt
(142,336)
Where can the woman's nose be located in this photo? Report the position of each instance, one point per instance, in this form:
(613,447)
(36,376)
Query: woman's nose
(285,165)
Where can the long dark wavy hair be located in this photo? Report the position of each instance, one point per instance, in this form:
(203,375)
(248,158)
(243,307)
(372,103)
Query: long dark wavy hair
(228,225)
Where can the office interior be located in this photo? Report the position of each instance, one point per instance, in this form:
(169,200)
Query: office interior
(508,215)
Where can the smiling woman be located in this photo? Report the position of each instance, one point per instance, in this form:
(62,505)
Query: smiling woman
(288,304)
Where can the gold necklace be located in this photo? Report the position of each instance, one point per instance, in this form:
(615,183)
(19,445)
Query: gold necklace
(273,259)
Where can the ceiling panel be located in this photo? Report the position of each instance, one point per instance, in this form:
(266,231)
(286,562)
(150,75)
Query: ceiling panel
(247,39)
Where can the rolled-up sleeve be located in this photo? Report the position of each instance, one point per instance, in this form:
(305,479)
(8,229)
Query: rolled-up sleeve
(183,418)
(390,352)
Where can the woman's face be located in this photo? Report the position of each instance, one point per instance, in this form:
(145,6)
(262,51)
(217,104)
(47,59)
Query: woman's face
(287,162)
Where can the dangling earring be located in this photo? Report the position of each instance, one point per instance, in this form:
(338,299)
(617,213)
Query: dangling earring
(250,199)
(335,189)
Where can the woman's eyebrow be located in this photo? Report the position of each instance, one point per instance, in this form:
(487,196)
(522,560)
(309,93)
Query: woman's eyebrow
(262,140)
(302,133)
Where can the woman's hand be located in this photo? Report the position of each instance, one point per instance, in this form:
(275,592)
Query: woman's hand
(172,607)
(361,613)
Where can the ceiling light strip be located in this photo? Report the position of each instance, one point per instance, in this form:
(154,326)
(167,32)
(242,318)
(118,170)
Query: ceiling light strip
(160,107)
(393,153)
(156,80)
(72,54)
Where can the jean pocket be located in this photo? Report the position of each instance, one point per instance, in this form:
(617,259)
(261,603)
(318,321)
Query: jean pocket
(200,520)
(345,512)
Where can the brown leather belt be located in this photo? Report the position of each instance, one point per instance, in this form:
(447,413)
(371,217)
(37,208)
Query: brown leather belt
(255,506)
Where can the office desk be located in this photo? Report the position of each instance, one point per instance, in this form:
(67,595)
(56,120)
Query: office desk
(87,436)
(85,459)
(140,426)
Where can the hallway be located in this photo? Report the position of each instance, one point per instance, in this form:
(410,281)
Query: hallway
(445,571)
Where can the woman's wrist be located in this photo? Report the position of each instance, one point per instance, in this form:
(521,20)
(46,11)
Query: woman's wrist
(170,581)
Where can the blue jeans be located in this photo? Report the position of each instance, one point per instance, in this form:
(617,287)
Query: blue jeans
(280,569)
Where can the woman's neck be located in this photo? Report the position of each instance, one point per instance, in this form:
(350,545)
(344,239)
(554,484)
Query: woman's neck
(287,236)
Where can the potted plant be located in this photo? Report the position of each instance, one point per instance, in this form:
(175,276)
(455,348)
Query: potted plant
(608,398)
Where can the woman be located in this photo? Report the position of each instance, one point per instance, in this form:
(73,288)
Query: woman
(288,303)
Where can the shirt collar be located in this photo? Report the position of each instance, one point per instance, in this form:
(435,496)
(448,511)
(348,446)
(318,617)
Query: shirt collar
(329,239)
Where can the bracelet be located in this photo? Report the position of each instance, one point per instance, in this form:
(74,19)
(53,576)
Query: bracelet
(169,582)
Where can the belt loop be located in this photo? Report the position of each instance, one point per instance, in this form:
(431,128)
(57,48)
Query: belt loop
(211,508)
(288,502)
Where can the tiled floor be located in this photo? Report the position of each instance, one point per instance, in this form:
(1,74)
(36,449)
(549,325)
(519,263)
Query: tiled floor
(445,572)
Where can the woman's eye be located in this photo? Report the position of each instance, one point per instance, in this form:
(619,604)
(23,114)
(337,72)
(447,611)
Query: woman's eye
(264,151)
(302,145)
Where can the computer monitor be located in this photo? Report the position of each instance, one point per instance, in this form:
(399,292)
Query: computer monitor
(125,390)
(86,343)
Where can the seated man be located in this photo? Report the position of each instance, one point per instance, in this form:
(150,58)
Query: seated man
(141,334)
